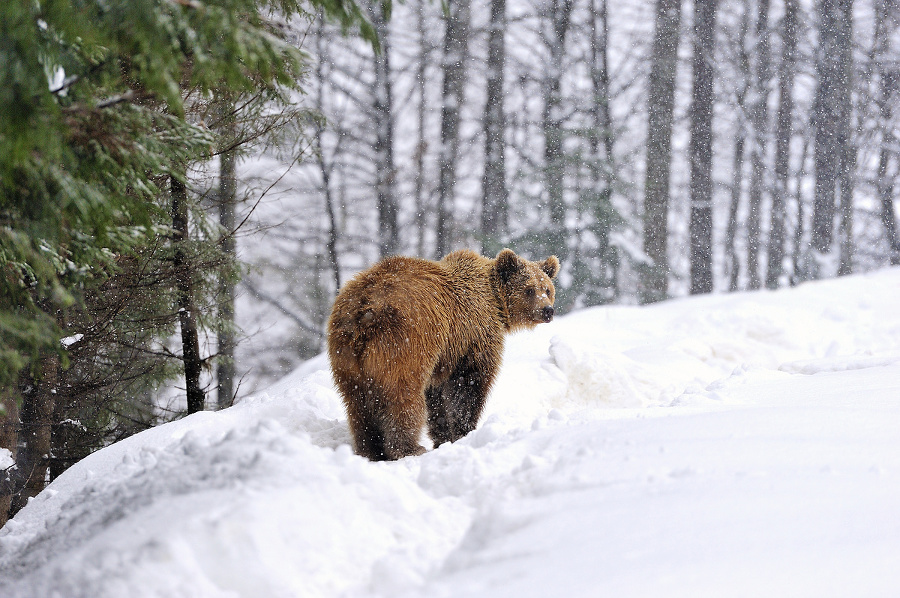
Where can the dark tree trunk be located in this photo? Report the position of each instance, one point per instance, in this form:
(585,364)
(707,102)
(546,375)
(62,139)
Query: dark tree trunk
(494,203)
(886,197)
(601,148)
(225,371)
(9,440)
(35,433)
(701,147)
(559,14)
(388,227)
(847,182)
(325,168)
(799,252)
(832,119)
(759,118)
(602,136)
(187,316)
(847,173)
(661,105)
(456,36)
(732,261)
(888,80)
(783,133)
(422,145)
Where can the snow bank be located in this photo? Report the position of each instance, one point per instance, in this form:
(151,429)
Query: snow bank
(725,445)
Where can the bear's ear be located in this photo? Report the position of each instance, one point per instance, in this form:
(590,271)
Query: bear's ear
(507,264)
(551,266)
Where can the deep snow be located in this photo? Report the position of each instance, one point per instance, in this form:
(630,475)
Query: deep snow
(727,445)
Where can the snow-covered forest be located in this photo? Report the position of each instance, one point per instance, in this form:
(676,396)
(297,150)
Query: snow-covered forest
(185,185)
(546,127)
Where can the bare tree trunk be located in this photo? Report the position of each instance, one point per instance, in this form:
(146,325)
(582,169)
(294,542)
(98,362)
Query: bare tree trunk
(456,36)
(35,433)
(601,147)
(886,197)
(388,228)
(759,117)
(661,105)
(799,253)
(888,84)
(9,440)
(732,262)
(422,145)
(325,168)
(701,147)
(559,13)
(495,196)
(783,134)
(187,316)
(600,83)
(832,114)
(225,371)
(847,183)
(333,230)
(847,174)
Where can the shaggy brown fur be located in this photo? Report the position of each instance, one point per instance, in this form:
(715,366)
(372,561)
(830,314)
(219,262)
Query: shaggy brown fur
(414,341)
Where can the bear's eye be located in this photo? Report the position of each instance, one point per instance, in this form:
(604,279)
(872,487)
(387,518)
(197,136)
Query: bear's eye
(529,292)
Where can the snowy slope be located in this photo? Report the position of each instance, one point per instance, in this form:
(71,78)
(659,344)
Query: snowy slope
(729,445)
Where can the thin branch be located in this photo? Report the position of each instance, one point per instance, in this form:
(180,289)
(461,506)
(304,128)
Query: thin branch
(300,320)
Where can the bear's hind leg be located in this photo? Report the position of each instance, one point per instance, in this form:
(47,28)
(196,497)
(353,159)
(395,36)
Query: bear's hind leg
(402,426)
(365,426)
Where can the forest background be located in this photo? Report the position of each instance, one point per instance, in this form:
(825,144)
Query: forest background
(186,185)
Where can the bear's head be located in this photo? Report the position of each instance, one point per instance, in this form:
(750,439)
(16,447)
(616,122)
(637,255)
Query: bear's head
(527,288)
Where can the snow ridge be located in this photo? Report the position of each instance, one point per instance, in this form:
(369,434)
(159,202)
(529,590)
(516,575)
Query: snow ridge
(723,445)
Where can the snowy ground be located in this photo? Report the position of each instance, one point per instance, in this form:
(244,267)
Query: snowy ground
(730,445)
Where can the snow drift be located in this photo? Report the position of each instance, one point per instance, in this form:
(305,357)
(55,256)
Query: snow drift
(728,445)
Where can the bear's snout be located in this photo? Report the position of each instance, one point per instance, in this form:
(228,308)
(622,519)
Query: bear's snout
(547,313)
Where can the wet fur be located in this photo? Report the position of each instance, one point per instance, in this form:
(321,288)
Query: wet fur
(414,342)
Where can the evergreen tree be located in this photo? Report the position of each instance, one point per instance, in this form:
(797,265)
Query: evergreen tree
(96,99)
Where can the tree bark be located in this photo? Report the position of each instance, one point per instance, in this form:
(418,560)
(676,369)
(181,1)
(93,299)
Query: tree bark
(888,84)
(9,440)
(187,316)
(559,14)
(495,196)
(732,261)
(701,147)
(35,433)
(847,173)
(325,168)
(388,227)
(886,199)
(422,145)
(661,105)
(799,253)
(456,34)
(759,118)
(787,70)
(832,114)
(225,370)
(601,148)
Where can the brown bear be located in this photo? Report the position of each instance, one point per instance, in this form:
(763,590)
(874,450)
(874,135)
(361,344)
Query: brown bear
(414,341)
